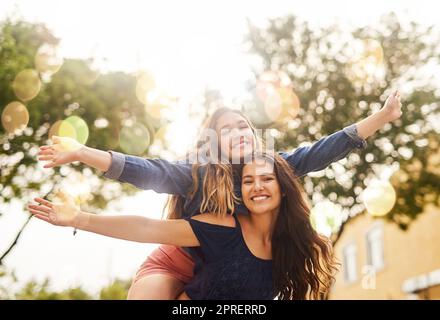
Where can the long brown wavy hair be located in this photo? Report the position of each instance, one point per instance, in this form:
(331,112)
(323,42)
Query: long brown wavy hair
(217,181)
(303,261)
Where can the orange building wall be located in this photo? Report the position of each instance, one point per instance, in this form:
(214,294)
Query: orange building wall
(407,254)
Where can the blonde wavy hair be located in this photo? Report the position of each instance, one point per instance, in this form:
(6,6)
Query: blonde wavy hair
(217,182)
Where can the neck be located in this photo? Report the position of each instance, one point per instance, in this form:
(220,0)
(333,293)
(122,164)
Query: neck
(263,224)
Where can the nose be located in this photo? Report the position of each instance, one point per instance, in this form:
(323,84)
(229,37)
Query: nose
(257,185)
(235,132)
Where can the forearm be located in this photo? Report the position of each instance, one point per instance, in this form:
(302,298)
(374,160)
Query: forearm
(132,228)
(138,229)
(368,126)
(94,158)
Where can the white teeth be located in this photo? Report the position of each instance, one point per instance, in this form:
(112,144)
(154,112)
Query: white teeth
(260,198)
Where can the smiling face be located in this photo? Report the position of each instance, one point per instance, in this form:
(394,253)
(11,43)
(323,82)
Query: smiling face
(260,188)
(236,137)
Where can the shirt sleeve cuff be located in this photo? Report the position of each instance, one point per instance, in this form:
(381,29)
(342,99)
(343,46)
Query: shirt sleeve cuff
(116,167)
(351,131)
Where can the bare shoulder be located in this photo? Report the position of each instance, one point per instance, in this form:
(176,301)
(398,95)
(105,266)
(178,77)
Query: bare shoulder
(227,221)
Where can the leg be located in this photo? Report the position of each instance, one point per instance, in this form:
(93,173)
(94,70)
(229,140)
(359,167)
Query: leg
(163,275)
(155,287)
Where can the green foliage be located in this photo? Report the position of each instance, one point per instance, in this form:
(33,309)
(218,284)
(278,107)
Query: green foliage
(320,64)
(7,280)
(76,89)
(117,290)
(33,290)
(41,291)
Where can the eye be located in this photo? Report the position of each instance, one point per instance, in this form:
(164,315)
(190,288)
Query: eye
(247,181)
(225,131)
(268,179)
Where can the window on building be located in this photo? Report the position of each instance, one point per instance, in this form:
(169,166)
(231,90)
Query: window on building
(375,256)
(350,263)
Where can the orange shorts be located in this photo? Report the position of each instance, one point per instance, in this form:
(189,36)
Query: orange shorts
(170,260)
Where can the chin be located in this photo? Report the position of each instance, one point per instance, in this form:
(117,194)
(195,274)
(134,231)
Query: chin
(261,209)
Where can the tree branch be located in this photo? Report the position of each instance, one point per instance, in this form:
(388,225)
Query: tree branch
(17,237)
(14,243)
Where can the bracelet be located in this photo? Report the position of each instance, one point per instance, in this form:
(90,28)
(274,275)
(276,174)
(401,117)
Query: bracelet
(75,227)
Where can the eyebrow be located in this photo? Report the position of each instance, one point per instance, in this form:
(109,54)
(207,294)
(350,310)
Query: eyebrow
(259,175)
(237,123)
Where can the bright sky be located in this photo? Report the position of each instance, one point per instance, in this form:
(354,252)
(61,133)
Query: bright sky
(188,45)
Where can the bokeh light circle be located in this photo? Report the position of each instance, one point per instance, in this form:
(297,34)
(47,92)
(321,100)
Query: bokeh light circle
(145,83)
(15,116)
(27,84)
(155,110)
(134,139)
(48,60)
(80,129)
(379,197)
(326,217)
(161,133)
(55,129)
(255,110)
(73,127)
(275,95)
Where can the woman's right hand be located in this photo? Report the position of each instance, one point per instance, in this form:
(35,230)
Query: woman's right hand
(63,150)
(63,213)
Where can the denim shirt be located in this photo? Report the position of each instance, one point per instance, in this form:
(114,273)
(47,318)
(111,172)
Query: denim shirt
(164,176)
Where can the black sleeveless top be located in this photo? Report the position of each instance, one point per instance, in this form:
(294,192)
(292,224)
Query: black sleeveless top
(226,268)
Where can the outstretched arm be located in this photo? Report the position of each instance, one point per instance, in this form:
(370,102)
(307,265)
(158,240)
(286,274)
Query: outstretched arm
(65,150)
(133,228)
(338,145)
(149,174)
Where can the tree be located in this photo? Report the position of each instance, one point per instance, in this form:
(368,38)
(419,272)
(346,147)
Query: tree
(341,76)
(107,104)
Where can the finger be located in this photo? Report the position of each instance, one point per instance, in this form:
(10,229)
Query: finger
(45,158)
(37,213)
(44,201)
(44,147)
(46,152)
(39,209)
(51,164)
(36,210)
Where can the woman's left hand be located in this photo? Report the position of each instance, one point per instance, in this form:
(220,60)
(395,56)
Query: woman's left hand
(392,108)
(63,213)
